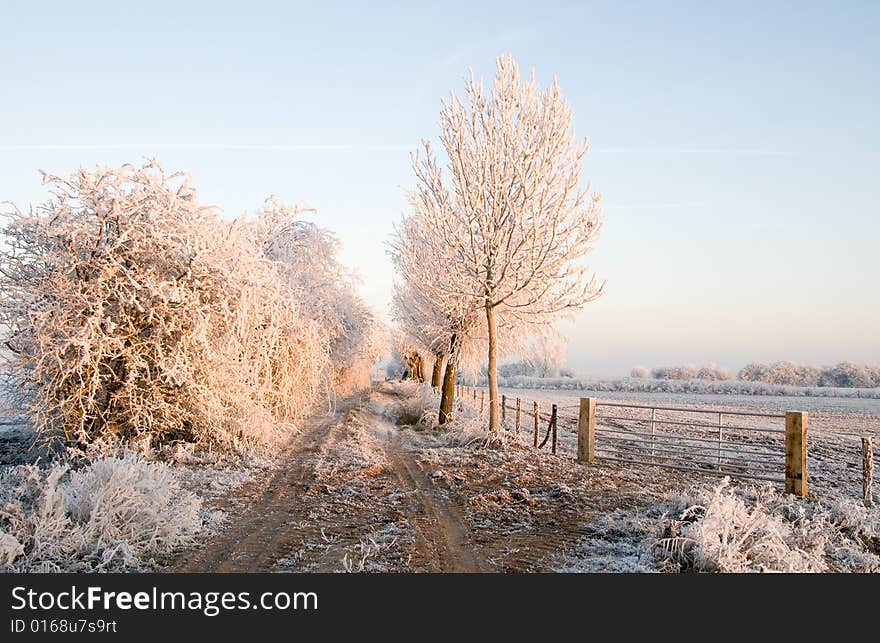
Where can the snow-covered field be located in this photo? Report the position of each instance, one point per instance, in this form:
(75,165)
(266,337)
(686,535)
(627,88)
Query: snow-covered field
(685,387)
(853,416)
(835,425)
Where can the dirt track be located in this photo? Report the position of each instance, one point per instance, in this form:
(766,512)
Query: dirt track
(356,491)
(301,519)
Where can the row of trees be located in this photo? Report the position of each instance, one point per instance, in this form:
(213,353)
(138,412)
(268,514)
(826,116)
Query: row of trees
(535,367)
(844,375)
(489,259)
(132,311)
(710,372)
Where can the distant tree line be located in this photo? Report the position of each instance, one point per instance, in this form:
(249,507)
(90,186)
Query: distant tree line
(537,367)
(843,375)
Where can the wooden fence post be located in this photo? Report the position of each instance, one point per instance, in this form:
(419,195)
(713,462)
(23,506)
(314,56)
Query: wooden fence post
(482,400)
(796,453)
(868,470)
(503,409)
(587,430)
(553,420)
(517,415)
(537,415)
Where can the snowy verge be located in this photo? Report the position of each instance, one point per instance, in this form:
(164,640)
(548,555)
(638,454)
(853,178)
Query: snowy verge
(115,513)
(733,528)
(417,409)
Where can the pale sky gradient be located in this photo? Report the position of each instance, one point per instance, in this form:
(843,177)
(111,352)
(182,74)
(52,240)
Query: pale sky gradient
(736,146)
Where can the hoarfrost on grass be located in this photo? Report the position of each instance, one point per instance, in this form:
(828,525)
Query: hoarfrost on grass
(733,528)
(115,513)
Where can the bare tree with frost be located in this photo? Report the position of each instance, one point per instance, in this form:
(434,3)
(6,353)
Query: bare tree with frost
(441,323)
(515,222)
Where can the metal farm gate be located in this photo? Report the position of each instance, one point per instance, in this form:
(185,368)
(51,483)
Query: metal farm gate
(734,443)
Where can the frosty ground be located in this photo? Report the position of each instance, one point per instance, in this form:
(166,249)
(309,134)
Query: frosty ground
(374,486)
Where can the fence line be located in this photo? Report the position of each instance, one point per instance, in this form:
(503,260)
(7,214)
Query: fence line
(728,445)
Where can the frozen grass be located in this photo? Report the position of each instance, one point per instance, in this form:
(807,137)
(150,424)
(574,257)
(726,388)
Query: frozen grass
(418,408)
(756,529)
(619,542)
(418,405)
(733,529)
(115,513)
(367,555)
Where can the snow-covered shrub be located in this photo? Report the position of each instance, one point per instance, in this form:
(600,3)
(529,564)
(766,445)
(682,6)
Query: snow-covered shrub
(306,256)
(640,372)
(131,310)
(417,404)
(115,513)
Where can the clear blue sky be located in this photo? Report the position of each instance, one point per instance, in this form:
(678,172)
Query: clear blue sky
(736,144)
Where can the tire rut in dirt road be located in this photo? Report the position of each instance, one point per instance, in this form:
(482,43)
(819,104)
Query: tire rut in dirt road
(310,516)
(440,527)
(247,545)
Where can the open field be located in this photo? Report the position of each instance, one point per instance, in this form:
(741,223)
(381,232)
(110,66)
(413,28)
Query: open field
(836,425)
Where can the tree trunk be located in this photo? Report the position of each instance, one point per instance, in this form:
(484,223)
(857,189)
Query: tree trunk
(420,369)
(493,369)
(412,366)
(437,372)
(447,393)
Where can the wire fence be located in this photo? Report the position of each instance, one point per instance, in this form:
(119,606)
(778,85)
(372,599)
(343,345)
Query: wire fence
(736,443)
(732,443)
(517,416)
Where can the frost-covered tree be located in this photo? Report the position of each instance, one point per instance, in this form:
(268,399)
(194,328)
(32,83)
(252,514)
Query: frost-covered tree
(640,372)
(307,259)
(713,373)
(515,222)
(440,322)
(851,375)
(753,372)
(418,322)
